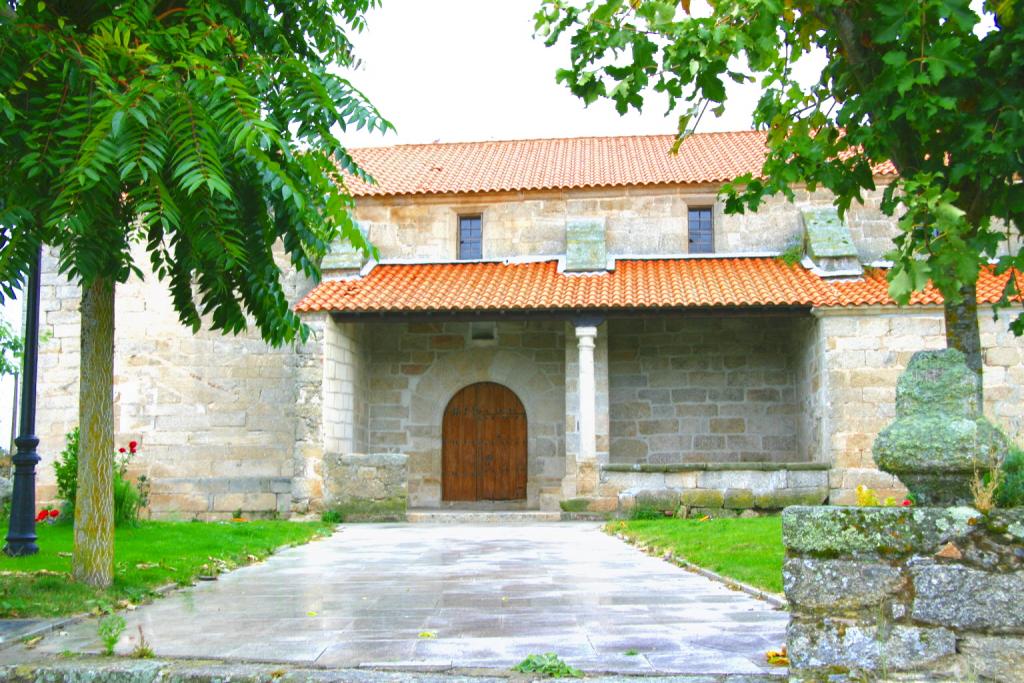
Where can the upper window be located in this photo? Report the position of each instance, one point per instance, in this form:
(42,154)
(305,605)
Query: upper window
(701,229)
(470,238)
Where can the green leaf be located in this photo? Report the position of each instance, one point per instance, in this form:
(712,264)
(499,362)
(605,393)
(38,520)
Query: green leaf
(115,122)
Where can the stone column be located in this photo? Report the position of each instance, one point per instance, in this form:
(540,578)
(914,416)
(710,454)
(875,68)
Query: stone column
(586,457)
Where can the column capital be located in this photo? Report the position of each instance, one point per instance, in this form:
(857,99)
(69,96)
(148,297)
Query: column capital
(586,332)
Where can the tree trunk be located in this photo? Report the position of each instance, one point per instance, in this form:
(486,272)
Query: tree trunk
(93,559)
(962,333)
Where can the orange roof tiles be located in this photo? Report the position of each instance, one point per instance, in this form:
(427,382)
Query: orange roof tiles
(873,290)
(724,282)
(559,163)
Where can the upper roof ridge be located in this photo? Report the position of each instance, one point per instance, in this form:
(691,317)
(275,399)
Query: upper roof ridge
(564,138)
(560,163)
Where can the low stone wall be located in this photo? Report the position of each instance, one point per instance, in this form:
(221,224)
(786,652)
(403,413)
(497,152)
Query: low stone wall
(365,487)
(904,593)
(713,488)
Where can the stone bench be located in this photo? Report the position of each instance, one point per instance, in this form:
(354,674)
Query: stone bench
(716,487)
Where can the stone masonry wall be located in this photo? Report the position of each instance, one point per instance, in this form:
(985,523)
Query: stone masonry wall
(216,417)
(346,384)
(866,351)
(370,486)
(638,220)
(925,594)
(811,392)
(703,389)
(416,368)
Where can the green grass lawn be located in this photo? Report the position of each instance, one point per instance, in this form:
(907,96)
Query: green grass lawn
(146,557)
(748,550)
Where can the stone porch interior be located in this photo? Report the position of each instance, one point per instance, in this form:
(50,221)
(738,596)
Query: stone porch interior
(616,408)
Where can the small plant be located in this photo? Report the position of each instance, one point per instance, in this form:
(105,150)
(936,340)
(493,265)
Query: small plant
(777,657)
(110,630)
(330,517)
(983,489)
(66,469)
(868,498)
(237,514)
(142,649)
(1010,492)
(646,512)
(129,497)
(548,664)
(48,515)
(631,652)
(793,253)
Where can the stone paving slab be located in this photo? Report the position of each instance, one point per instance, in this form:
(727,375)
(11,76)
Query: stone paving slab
(443,596)
(17,629)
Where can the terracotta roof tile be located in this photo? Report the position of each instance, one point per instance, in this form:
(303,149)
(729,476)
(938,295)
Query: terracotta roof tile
(873,290)
(723,282)
(559,163)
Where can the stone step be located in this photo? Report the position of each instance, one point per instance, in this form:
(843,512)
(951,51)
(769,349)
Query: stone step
(481,516)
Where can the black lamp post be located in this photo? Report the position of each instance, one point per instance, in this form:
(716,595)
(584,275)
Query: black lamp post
(21,535)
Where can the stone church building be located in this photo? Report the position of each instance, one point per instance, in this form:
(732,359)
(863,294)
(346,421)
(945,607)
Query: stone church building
(548,320)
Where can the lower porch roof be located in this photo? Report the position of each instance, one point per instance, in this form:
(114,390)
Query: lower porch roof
(633,284)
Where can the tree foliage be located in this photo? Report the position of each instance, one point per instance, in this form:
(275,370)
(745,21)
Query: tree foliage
(204,131)
(930,85)
(11,345)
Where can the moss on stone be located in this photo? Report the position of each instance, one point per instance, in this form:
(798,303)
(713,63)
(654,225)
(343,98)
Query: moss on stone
(783,498)
(701,498)
(385,510)
(939,437)
(844,531)
(664,500)
(826,235)
(574,505)
(937,382)
(738,499)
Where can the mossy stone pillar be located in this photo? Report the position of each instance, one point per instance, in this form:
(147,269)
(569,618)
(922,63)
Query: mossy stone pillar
(940,437)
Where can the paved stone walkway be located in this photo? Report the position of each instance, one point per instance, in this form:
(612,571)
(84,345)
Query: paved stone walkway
(486,596)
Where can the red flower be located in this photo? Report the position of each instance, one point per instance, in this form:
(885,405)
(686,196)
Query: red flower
(41,516)
(54,513)
(132,445)
(120,450)
(907,502)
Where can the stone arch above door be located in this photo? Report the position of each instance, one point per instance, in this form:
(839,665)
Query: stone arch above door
(543,400)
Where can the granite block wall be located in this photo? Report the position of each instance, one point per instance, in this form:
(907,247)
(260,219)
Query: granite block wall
(639,220)
(698,388)
(922,594)
(216,417)
(415,369)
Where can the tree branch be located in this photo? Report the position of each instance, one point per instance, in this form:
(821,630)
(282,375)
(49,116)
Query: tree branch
(860,62)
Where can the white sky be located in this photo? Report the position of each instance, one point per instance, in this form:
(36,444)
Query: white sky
(457,70)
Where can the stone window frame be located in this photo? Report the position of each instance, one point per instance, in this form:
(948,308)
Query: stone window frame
(480,325)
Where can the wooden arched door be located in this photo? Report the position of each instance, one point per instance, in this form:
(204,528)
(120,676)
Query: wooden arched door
(483,445)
